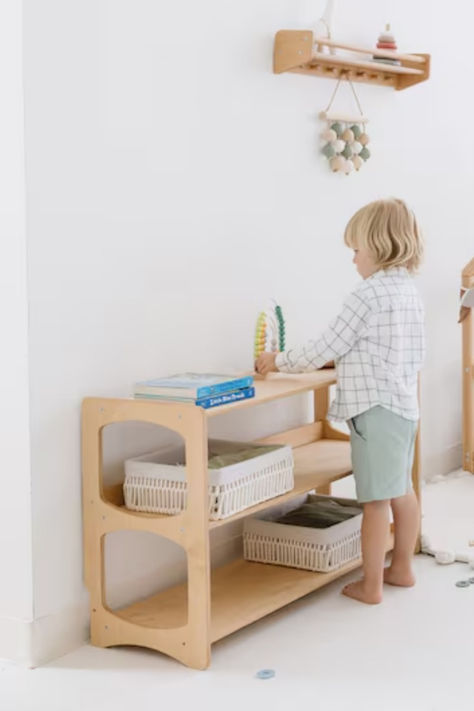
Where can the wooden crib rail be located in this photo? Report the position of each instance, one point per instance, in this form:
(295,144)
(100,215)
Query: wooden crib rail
(467,281)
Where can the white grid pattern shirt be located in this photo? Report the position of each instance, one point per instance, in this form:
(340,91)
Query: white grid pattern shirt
(377,343)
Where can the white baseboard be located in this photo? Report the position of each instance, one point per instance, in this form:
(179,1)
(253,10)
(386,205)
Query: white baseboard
(442,463)
(32,643)
(15,641)
(56,635)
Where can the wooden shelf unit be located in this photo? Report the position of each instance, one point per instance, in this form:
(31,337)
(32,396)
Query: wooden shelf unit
(185,620)
(300,52)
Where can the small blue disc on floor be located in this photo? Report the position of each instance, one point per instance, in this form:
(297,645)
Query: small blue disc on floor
(462,584)
(265,674)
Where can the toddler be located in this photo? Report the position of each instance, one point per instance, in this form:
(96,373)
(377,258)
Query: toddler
(377,345)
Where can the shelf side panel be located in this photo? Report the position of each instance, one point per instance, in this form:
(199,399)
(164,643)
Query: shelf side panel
(404,81)
(292,48)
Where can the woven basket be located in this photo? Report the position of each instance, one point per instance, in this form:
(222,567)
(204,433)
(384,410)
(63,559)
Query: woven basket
(323,550)
(156,482)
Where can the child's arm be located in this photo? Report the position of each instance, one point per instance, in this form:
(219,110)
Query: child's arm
(339,337)
(265,363)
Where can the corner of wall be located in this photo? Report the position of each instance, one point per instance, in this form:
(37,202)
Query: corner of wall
(32,643)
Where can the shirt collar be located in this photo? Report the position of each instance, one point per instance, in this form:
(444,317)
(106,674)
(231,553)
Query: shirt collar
(391,271)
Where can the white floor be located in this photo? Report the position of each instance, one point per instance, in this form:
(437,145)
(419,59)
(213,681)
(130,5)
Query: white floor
(414,652)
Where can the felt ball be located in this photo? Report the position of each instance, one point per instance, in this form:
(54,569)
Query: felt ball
(356,130)
(445,557)
(337,163)
(364,139)
(425,543)
(357,162)
(339,145)
(348,167)
(328,150)
(348,135)
(337,127)
(356,147)
(329,135)
(365,153)
(347,152)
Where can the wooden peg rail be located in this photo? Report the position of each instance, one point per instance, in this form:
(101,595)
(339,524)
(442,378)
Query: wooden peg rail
(300,52)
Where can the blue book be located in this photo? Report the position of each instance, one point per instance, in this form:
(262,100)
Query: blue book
(226,398)
(207,402)
(193,386)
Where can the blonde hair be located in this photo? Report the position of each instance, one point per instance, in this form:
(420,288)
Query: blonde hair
(389,230)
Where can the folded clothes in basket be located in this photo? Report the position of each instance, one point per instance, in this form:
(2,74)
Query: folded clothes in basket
(217,459)
(319,514)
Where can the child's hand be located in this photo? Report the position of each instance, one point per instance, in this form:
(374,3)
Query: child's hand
(265,363)
(329,364)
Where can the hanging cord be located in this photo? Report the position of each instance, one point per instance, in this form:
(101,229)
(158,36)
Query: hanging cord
(356,97)
(353,91)
(333,95)
(328,30)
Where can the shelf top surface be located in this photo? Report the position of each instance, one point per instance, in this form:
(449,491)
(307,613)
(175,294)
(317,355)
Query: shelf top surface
(272,387)
(373,65)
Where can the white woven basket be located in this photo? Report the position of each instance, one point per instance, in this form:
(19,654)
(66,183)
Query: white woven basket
(156,482)
(322,550)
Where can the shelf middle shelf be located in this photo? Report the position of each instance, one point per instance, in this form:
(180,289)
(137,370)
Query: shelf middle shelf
(316,464)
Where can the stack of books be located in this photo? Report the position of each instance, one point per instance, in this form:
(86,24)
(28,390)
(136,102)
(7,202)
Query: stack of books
(203,389)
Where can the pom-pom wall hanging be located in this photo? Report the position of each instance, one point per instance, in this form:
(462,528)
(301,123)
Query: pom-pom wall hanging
(345,137)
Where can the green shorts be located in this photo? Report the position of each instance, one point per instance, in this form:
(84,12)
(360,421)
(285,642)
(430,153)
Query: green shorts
(382,451)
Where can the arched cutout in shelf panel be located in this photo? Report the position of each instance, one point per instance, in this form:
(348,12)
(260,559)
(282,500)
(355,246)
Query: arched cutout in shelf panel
(140,565)
(126,440)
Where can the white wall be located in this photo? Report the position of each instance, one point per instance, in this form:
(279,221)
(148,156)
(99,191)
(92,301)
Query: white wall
(174,186)
(16,593)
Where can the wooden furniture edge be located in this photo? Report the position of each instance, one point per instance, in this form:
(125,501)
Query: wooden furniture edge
(467,326)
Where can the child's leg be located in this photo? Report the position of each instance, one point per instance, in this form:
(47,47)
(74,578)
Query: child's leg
(406,519)
(375,527)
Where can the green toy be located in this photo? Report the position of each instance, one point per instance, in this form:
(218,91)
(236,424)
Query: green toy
(270,332)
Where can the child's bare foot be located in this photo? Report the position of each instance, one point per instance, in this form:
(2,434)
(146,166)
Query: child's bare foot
(401,576)
(358,591)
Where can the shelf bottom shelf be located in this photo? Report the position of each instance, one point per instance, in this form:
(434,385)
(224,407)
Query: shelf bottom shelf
(241,593)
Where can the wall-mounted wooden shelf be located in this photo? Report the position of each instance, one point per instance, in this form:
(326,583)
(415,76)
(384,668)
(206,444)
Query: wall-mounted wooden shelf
(300,52)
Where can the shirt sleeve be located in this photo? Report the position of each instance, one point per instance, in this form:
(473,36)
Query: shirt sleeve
(338,338)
